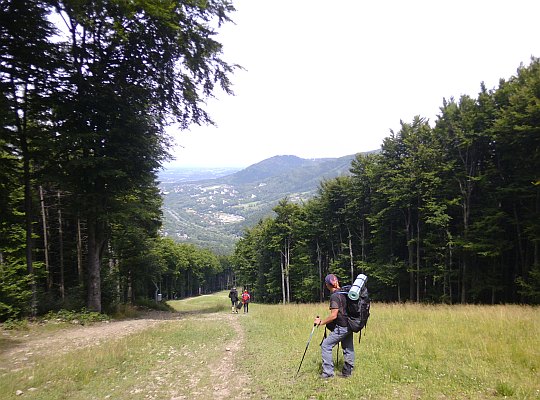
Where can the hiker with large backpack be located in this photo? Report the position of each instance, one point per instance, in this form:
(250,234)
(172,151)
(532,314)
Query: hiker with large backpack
(349,313)
(336,322)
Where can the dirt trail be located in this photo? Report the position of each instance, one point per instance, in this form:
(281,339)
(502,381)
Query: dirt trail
(226,381)
(24,347)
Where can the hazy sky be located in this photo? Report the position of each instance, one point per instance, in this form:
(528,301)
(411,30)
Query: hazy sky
(332,78)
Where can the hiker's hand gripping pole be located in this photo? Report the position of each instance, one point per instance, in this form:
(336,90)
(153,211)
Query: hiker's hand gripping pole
(307,345)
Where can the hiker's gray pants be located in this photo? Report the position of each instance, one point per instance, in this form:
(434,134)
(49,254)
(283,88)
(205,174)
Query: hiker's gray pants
(339,334)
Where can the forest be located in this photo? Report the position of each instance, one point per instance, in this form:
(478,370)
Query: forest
(447,212)
(443,213)
(87,90)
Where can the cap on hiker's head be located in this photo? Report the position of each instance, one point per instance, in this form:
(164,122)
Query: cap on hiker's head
(330,279)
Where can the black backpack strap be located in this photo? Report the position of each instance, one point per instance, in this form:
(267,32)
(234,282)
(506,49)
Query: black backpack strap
(360,333)
(324,337)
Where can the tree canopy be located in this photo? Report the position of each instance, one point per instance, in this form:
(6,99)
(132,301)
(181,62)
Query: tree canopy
(87,91)
(447,212)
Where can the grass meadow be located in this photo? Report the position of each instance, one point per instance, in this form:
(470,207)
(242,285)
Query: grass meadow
(407,352)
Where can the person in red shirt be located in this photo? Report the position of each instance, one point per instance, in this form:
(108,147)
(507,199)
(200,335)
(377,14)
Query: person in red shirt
(245,300)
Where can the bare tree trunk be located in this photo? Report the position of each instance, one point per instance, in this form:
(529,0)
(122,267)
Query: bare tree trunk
(410,251)
(79,253)
(113,267)
(287,270)
(29,240)
(418,260)
(282,262)
(20,121)
(94,266)
(61,248)
(449,274)
(129,294)
(45,238)
(536,254)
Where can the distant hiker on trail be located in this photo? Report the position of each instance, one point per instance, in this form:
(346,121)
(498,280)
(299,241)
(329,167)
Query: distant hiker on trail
(233,295)
(336,322)
(245,300)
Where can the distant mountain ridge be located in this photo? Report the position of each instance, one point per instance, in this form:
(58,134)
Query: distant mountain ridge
(270,167)
(283,166)
(215,212)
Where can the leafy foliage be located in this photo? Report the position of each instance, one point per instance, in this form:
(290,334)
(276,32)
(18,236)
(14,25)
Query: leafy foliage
(444,213)
(85,102)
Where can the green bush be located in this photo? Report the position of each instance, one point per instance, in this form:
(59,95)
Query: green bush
(15,325)
(82,317)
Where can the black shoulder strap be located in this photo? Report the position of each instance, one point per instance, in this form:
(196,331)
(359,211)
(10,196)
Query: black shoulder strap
(324,337)
(343,306)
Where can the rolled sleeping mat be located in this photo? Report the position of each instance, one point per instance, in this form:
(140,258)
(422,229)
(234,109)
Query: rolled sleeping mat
(357,286)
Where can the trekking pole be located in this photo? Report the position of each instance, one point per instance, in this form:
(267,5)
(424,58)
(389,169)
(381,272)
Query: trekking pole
(337,354)
(307,345)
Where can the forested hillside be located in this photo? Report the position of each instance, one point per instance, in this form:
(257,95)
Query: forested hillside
(213,213)
(448,212)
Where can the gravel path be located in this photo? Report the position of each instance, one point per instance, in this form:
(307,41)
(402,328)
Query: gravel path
(24,347)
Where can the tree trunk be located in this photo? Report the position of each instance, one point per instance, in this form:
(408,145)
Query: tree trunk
(287,270)
(28,214)
(536,255)
(61,248)
(282,261)
(79,253)
(418,260)
(45,238)
(319,262)
(94,266)
(410,251)
(466,190)
(29,240)
(129,293)
(450,263)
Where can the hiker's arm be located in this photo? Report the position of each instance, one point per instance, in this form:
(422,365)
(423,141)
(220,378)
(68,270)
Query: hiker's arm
(330,318)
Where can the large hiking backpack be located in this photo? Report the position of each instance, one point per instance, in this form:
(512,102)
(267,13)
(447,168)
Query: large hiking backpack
(357,311)
(357,307)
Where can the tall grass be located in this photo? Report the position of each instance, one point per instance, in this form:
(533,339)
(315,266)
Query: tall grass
(408,351)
